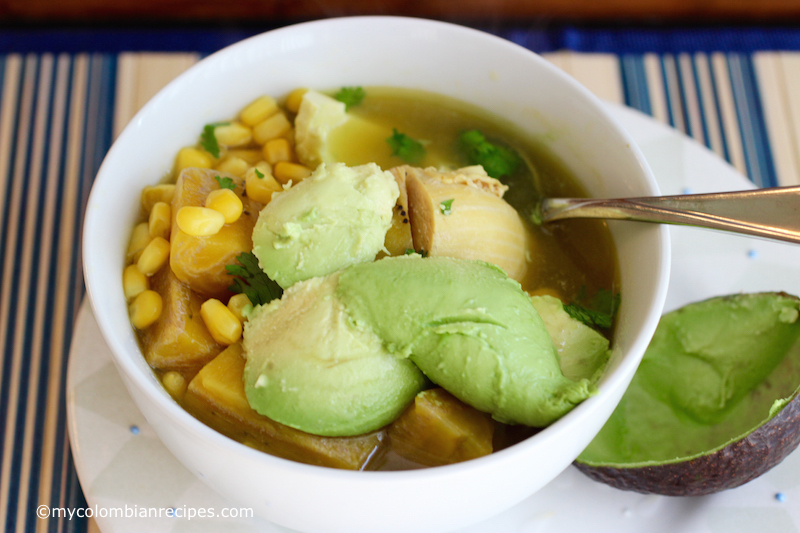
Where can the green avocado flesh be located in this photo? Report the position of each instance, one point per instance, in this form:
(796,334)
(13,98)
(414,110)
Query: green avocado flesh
(582,351)
(342,355)
(336,217)
(310,366)
(714,372)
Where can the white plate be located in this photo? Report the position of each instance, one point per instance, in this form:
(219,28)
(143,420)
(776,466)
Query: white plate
(125,470)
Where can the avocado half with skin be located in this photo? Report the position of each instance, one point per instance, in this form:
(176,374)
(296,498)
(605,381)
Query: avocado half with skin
(714,403)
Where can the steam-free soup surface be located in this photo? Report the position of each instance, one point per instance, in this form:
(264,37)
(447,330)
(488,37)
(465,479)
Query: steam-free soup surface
(573,257)
(572,260)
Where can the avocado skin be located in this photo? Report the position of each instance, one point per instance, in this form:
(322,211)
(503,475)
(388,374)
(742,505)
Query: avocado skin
(733,465)
(730,467)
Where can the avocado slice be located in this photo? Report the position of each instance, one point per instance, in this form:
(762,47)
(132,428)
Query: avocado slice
(713,404)
(346,354)
(582,351)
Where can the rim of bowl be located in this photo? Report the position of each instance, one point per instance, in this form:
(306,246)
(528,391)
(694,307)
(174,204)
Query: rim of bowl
(148,386)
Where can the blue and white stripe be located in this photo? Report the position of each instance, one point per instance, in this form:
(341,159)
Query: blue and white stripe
(55,126)
(719,100)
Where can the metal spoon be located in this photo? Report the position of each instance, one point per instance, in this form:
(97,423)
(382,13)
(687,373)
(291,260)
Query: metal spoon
(773,213)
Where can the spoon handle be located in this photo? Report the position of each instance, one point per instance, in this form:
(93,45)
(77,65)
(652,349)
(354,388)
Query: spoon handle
(770,212)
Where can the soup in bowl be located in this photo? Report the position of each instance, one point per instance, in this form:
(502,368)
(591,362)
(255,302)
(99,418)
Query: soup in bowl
(412,148)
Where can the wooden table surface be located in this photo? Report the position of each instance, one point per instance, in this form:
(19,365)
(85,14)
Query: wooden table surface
(277,11)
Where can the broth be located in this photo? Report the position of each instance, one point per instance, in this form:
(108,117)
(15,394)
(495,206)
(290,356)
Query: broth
(573,257)
(570,259)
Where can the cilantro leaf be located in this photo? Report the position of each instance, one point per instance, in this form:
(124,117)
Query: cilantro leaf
(536,216)
(208,140)
(226,183)
(350,96)
(498,161)
(406,148)
(259,174)
(252,281)
(446,206)
(598,312)
(409,251)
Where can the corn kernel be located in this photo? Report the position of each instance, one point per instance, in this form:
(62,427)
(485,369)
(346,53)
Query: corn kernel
(223,325)
(175,384)
(295,98)
(273,127)
(160,220)
(154,256)
(240,305)
(193,157)
(134,282)
(157,193)
(285,172)
(139,239)
(260,189)
(276,150)
(145,309)
(251,156)
(233,165)
(259,110)
(262,166)
(233,134)
(199,221)
(226,202)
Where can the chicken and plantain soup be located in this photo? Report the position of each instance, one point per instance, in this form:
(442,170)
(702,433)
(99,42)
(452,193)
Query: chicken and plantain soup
(353,280)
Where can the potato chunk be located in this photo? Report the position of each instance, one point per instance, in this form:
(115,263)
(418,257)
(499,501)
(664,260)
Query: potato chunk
(179,338)
(216,397)
(200,261)
(438,429)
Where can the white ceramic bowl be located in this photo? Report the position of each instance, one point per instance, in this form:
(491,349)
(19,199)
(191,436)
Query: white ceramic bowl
(466,64)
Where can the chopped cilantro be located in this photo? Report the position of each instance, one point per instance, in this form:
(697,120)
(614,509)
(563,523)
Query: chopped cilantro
(406,148)
(208,140)
(252,281)
(409,251)
(498,161)
(598,312)
(259,174)
(446,206)
(536,216)
(226,183)
(350,96)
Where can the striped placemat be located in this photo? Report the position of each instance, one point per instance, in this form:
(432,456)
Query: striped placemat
(59,113)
